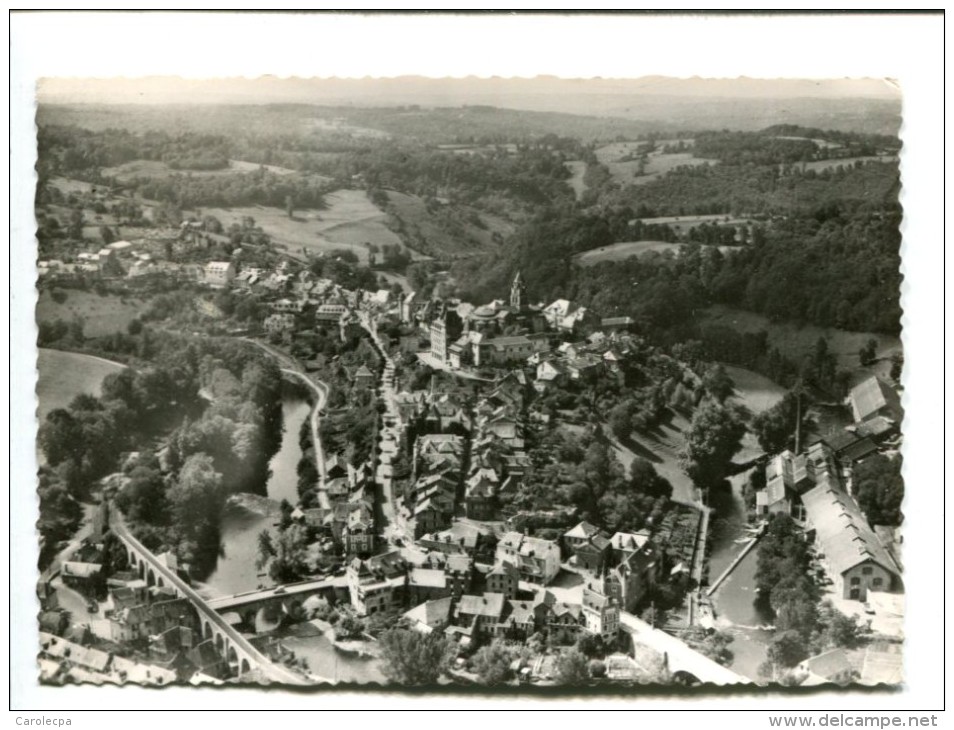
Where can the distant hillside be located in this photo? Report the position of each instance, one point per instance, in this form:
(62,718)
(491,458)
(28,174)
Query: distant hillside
(863,105)
(444,125)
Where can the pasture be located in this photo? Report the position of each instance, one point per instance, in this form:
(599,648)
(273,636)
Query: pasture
(101,315)
(68,185)
(795,342)
(624,250)
(349,222)
(134,169)
(447,231)
(64,375)
(752,390)
(819,165)
(660,446)
(658,163)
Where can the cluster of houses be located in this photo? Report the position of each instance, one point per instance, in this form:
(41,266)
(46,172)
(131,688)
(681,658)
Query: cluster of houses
(451,589)
(815,488)
(159,632)
(625,565)
(344,515)
(291,296)
(498,334)
(472,458)
(140,257)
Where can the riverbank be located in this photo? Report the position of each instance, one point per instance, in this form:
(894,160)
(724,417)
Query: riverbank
(734,599)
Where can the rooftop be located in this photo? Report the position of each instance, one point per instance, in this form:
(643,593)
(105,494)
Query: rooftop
(842,530)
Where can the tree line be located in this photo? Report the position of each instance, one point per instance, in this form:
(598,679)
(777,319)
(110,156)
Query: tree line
(216,405)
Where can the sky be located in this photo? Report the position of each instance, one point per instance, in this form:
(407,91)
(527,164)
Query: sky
(525,93)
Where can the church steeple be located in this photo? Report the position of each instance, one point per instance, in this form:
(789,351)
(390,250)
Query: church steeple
(518,294)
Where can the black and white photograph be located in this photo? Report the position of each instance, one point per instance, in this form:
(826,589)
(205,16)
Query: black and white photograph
(533,385)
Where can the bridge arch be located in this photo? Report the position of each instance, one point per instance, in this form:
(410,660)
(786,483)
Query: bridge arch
(688,679)
(228,642)
(245,668)
(232,658)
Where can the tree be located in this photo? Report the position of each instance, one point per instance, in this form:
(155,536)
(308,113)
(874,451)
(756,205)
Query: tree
(880,489)
(597,668)
(787,649)
(143,499)
(837,629)
(869,353)
(413,658)
(266,549)
(290,206)
(717,382)
(620,420)
(775,428)
(897,366)
(290,562)
(713,644)
(572,668)
(106,233)
(712,439)
(492,662)
(196,496)
(349,627)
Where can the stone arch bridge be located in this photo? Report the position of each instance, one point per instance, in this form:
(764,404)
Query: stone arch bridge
(242,657)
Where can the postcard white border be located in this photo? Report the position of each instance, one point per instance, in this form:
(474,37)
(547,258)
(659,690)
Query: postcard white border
(906,48)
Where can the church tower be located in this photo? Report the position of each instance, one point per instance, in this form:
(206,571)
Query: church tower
(518,294)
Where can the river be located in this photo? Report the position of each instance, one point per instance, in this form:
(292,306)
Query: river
(235,569)
(734,601)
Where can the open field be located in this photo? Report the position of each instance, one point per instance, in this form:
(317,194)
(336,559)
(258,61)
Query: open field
(65,375)
(754,391)
(621,251)
(796,342)
(819,165)
(243,166)
(657,163)
(823,143)
(156,169)
(341,126)
(682,224)
(660,446)
(67,185)
(458,234)
(577,168)
(101,315)
(349,222)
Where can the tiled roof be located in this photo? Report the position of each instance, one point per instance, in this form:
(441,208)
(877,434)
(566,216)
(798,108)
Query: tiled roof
(582,531)
(489,604)
(872,395)
(842,530)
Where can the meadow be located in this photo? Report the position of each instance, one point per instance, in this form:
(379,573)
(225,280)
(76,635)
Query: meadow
(795,342)
(658,163)
(65,375)
(101,315)
(622,251)
(349,221)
